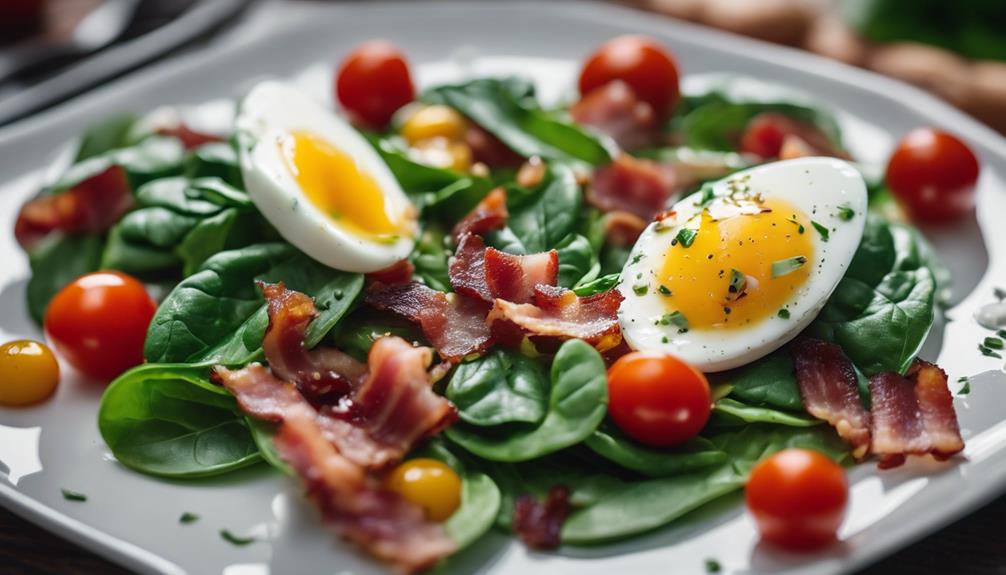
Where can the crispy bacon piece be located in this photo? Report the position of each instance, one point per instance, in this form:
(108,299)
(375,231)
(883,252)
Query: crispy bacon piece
(487,273)
(490,214)
(379,521)
(623,228)
(539,524)
(558,314)
(320,374)
(399,272)
(830,390)
(637,186)
(489,150)
(455,326)
(258,392)
(92,206)
(614,110)
(773,135)
(913,415)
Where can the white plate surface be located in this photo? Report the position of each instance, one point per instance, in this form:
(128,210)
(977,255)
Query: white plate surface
(133,519)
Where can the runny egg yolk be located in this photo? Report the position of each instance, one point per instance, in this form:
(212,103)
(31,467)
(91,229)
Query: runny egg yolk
(335,184)
(739,269)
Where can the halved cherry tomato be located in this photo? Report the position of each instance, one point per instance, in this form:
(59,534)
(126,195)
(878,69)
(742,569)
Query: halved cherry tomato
(430,484)
(933,175)
(798,499)
(29,372)
(642,63)
(99,323)
(657,399)
(373,82)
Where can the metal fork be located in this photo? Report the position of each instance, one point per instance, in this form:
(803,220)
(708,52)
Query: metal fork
(98,29)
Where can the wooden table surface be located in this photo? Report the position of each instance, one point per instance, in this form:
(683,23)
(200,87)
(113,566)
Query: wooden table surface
(975,545)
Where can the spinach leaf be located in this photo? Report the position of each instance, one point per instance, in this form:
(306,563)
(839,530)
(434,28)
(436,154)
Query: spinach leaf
(217,315)
(480,498)
(577,261)
(883,308)
(215,160)
(431,258)
(577,403)
(263,434)
(735,411)
(715,119)
(55,261)
(611,444)
(357,332)
(507,108)
(601,284)
(500,387)
(155,157)
(107,135)
(169,420)
(542,220)
(769,381)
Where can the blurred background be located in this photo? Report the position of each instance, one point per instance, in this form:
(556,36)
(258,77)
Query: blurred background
(954,49)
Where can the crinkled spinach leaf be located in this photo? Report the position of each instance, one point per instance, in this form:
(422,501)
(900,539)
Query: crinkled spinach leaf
(500,387)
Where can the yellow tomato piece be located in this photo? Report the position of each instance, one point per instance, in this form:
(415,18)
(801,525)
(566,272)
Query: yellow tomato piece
(434,122)
(29,372)
(443,153)
(428,483)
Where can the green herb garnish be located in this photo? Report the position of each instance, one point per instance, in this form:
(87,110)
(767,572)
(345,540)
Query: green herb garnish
(713,566)
(787,266)
(799,227)
(846,213)
(966,388)
(988,352)
(708,195)
(738,282)
(188,518)
(664,290)
(821,230)
(235,539)
(70,495)
(675,318)
(993,343)
(640,289)
(783,313)
(685,237)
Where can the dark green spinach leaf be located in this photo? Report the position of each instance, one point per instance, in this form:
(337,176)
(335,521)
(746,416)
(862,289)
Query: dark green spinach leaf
(500,387)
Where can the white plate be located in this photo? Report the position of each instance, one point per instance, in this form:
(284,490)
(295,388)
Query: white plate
(133,519)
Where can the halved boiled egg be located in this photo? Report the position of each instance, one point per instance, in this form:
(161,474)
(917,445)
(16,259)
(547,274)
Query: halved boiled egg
(319,182)
(739,268)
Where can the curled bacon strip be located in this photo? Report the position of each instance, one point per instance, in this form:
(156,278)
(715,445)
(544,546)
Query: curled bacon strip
(92,206)
(455,326)
(490,214)
(487,273)
(539,524)
(558,314)
(319,374)
(638,186)
(830,391)
(913,415)
(399,272)
(380,521)
(616,111)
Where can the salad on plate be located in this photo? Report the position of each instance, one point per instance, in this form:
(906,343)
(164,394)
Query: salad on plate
(460,309)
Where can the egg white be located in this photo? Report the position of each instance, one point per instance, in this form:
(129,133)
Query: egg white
(270,113)
(816,186)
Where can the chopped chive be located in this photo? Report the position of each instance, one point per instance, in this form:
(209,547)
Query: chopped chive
(708,195)
(675,318)
(235,539)
(993,343)
(640,289)
(664,290)
(685,237)
(846,213)
(988,352)
(738,282)
(1001,333)
(713,566)
(787,266)
(799,227)
(965,389)
(70,495)
(664,339)
(821,230)
(188,518)
(783,313)
(636,258)
(999,292)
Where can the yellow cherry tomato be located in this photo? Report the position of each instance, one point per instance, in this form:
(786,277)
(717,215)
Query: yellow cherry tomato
(434,122)
(428,483)
(443,153)
(28,372)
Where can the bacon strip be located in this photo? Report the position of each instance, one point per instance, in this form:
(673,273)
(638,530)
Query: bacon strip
(539,524)
(320,374)
(830,391)
(487,273)
(558,314)
(399,272)
(92,206)
(455,326)
(189,138)
(616,111)
(490,214)
(913,415)
(379,521)
(637,186)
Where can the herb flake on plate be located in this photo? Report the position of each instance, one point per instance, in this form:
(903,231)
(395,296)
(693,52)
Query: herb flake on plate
(71,495)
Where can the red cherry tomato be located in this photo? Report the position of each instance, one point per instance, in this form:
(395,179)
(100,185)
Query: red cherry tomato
(99,323)
(642,63)
(933,175)
(798,499)
(657,399)
(373,82)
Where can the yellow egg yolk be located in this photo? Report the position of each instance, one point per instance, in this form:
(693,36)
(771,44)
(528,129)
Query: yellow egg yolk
(335,184)
(739,269)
